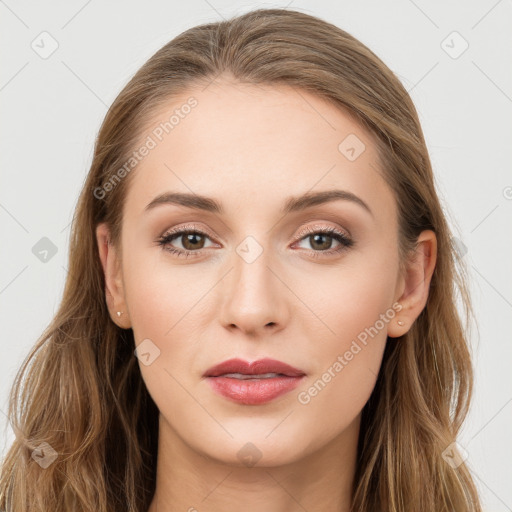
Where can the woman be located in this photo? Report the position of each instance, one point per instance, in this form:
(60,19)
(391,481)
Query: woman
(260,302)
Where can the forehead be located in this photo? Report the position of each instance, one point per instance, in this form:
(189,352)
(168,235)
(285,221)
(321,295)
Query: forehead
(240,141)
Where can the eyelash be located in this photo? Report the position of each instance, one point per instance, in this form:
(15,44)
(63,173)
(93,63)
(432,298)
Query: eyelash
(344,240)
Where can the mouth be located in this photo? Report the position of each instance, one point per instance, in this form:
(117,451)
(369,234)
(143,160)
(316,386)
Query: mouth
(253,383)
(243,376)
(263,368)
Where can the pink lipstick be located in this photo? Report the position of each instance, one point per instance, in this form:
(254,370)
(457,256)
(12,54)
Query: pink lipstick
(253,383)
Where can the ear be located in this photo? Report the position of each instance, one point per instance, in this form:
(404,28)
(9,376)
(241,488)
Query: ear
(114,289)
(414,284)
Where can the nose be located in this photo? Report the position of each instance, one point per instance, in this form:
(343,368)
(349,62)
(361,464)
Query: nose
(254,298)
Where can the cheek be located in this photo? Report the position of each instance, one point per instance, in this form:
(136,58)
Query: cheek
(347,299)
(167,306)
(161,297)
(163,306)
(355,308)
(344,377)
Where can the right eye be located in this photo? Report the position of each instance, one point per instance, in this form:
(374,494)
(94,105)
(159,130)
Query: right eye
(192,241)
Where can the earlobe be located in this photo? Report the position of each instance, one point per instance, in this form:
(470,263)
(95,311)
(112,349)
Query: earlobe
(114,291)
(415,283)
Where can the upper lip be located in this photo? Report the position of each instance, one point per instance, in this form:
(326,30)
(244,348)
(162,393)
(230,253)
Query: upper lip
(258,367)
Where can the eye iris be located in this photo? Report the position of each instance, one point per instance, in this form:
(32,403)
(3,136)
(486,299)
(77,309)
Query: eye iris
(192,238)
(314,241)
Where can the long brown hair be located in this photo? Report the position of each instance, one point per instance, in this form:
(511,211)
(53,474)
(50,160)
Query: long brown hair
(80,389)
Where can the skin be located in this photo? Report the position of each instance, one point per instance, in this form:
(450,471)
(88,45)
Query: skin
(251,148)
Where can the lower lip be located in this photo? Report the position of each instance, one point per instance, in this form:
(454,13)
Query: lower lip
(253,392)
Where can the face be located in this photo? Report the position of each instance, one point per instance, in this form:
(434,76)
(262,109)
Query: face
(313,285)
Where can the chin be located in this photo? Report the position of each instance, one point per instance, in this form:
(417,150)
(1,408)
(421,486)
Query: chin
(257,447)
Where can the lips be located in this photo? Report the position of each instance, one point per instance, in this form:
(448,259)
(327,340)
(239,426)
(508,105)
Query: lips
(253,383)
(259,367)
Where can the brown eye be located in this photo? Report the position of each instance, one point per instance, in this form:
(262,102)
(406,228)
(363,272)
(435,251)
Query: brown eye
(192,241)
(320,241)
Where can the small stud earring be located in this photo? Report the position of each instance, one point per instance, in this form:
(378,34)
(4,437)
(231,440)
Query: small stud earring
(119,313)
(399,322)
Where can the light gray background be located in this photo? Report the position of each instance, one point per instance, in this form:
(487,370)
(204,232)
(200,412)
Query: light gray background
(52,109)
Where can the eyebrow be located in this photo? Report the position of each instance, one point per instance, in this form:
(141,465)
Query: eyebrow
(292,204)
